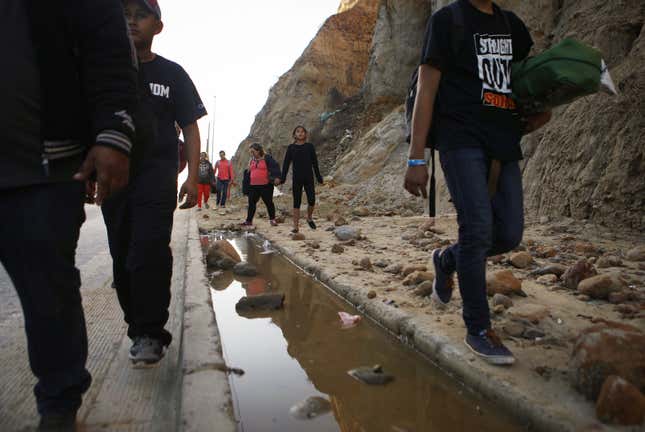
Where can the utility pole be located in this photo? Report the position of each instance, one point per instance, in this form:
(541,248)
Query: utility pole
(212,155)
(208,139)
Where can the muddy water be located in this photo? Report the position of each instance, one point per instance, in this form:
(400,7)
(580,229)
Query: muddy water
(303,351)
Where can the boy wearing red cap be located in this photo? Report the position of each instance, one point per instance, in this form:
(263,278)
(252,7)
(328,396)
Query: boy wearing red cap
(139,220)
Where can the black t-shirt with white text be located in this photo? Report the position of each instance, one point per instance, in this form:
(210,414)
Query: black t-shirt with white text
(474,105)
(174,99)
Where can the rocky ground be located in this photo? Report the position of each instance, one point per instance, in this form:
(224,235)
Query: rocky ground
(569,302)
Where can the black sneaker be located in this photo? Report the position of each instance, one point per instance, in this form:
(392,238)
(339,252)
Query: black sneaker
(55,422)
(489,347)
(312,224)
(443,283)
(146,351)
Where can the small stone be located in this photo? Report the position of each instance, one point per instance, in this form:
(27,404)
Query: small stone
(546,252)
(620,403)
(636,254)
(544,220)
(393,269)
(345,233)
(609,261)
(503,282)
(530,312)
(599,287)
(618,297)
(381,264)
(366,264)
(298,236)
(245,269)
(521,260)
(371,294)
(580,271)
(548,279)
(310,408)
(533,333)
(502,300)
(514,329)
(554,269)
(418,277)
(314,244)
(497,259)
(361,211)
(279,219)
(583,297)
(340,221)
(585,249)
(413,268)
(373,375)
(498,309)
(337,249)
(206,216)
(424,289)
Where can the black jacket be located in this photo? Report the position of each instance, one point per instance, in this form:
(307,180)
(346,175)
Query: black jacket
(88,77)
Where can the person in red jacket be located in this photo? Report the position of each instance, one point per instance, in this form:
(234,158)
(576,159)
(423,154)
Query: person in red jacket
(224,175)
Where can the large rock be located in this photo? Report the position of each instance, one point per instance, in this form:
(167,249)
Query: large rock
(345,233)
(261,302)
(599,287)
(620,403)
(219,250)
(503,282)
(605,349)
(578,272)
(636,254)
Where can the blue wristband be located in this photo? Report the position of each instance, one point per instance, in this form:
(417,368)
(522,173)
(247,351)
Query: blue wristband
(416,162)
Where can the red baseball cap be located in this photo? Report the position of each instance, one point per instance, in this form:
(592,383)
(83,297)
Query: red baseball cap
(152,6)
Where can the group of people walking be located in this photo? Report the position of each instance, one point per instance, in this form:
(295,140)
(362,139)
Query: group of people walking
(263,173)
(216,178)
(85,119)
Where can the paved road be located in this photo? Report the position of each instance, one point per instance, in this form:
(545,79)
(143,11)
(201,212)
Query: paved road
(120,398)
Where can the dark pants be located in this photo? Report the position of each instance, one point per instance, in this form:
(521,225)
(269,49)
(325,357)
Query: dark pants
(486,227)
(310,191)
(222,191)
(255,193)
(39,230)
(139,225)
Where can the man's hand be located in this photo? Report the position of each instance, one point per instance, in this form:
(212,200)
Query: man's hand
(189,191)
(416,180)
(276,182)
(90,192)
(112,171)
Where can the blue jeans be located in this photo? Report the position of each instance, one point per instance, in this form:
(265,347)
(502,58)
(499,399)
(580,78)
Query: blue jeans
(39,230)
(486,227)
(222,192)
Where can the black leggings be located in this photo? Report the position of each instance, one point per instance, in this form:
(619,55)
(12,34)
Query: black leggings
(310,190)
(255,193)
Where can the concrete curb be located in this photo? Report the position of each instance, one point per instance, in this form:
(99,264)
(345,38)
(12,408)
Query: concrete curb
(206,395)
(453,358)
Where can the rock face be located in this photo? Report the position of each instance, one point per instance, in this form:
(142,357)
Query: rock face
(606,349)
(588,163)
(620,402)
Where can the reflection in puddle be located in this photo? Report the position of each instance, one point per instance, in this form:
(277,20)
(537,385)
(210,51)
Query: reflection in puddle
(297,358)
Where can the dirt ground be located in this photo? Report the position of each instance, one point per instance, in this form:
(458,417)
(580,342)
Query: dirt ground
(539,328)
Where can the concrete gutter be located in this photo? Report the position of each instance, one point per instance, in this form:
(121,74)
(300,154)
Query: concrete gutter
(456,360)
(206,395)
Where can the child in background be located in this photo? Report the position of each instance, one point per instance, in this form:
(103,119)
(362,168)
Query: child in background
(206,179)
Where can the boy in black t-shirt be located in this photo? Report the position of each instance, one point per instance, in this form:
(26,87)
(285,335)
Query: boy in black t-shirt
(139,220)
(464,101)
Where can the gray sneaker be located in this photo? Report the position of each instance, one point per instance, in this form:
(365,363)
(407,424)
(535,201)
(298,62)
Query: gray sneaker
(146,351)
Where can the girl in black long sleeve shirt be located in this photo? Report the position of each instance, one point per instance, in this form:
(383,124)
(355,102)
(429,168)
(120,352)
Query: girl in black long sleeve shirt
(305,164)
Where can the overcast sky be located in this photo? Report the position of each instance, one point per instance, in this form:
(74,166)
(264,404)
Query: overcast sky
(236,50)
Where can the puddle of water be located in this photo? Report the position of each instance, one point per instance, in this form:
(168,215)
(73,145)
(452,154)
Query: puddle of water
(303,351)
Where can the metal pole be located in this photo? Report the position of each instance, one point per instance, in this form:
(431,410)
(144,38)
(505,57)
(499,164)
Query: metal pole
(208,138)
(212,156)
